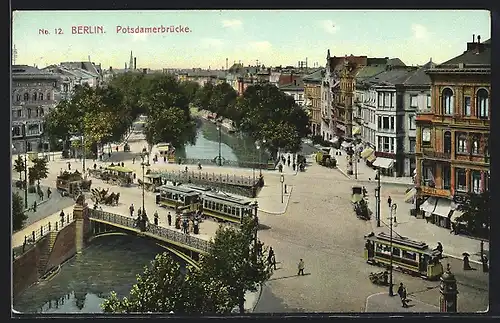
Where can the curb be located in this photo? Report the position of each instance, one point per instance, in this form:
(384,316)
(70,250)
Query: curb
(261,287)
(367,181)
(37,205)
(286,205)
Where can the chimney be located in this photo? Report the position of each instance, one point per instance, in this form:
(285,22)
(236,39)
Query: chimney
(473,38)
(227,62)
(135,63)
(479,39)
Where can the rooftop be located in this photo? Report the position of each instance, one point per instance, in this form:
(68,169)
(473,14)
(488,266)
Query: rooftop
(477,56)
(315,76)
(26,71)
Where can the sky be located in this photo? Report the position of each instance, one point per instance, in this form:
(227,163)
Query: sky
(278,37)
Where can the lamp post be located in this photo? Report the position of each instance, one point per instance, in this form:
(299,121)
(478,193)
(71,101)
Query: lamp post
(25,133)
(145,162)
(84,155)
(253,170)
(259,148)
(219,128)
(394,207)
(256,217)
(377,196)
(282,180)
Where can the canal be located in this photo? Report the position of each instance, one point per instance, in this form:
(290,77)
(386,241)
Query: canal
(110,263)
(234,146)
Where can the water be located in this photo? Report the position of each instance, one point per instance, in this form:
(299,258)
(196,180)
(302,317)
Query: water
(110,263)
(234,147)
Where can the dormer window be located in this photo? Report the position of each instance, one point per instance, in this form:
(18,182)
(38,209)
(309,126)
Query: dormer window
(447,101)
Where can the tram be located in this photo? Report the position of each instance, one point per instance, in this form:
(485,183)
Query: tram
(411,256)
(179,197)
(223,207)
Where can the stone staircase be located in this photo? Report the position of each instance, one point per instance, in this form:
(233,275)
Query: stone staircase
(44,258)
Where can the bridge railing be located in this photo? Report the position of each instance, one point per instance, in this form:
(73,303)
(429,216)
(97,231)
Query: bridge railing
(31,239)
(208,177)
(159,231)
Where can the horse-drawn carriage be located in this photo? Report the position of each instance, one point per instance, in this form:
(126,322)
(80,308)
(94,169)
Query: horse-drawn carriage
(359,203)
(72,184)
(102,196)
(152,182)
(112,174)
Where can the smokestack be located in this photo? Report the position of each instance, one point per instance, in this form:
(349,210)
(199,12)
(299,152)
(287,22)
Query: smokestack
(125,65)
(227,62)
(479,39)
(306,62)
(135,63)
(473,38)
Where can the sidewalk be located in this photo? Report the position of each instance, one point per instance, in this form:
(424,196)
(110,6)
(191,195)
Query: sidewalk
(367,174)
(382,302)
(418,229)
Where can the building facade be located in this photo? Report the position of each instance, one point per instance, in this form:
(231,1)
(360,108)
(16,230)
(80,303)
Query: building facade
(453,137)
(33,95)
(295,90)
(312,100)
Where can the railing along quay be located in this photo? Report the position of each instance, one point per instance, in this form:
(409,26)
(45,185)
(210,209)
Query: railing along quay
(159,231)
(31,239)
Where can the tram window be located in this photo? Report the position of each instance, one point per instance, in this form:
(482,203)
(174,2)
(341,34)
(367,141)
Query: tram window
(379,248)
(225,208)
(205,203)
(409,255)
(233,210)
(217,206)
(396,252)
(237,212)
(182,198)
(168,195)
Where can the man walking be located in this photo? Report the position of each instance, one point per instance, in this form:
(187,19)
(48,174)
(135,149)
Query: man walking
(131,209)
(389,201)
(271,259)
(402,294)
(169,219)
(301,266)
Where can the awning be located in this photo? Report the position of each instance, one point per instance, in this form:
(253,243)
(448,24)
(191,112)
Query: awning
(410,194)
(346,145)
(383,162)
(367,152)
(334,140)
(443,208)
(429,205)
(455,215)
(371,158)
(356,130)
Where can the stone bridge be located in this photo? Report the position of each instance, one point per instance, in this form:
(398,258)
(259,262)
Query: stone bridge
(187,247)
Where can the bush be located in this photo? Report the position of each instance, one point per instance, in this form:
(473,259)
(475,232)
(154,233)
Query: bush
(20,184)
(32,189)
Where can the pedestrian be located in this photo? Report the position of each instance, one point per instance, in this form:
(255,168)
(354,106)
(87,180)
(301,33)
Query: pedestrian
(133,160)
(69,166)
(466,262)
(131,209)
(280,168)
(109,154)
(123,164)
(301,266)
(271,259)
(164,158)
(453,228)
(185,226)
(196,228)
(293,166)
(135,176)
(439,248)
(48,192)
(62,216)
(169,219)
(116,148)
(402,294)
(139,212)
(156,217)
(389,201)
(34,206)
(288,161)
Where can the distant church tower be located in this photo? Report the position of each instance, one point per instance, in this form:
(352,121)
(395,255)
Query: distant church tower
(131,63)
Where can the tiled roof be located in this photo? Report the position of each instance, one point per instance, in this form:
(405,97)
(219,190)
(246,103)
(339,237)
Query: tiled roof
(471,57)
(315,76)
(26,71)
(390,77)
(419,77)
(291,87)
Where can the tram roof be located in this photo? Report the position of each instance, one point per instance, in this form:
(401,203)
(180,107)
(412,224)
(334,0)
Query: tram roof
(228,198)
(120,169)
(179,189)
(419,245)
(198,188)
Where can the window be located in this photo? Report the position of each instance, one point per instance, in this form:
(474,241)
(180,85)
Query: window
(412,124)
(392,123)
(29,112)
(429,102)
(379,122)
(40,96)
(385,122)
(413,144)
(18,97)
(428,175)
(19,113)
(461,143)
(426,135)
(460,179)
(34,96)
(387,100)
(447,101)
(475,145)
(16,131)
(447,142)
(446,177)
(413,101)
(476,181)
(386,144)
(48,96)
(26,96)
(482,103)
(467,105)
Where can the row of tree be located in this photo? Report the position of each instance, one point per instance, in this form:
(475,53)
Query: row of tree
(263,112)
(37,172)
(232,267)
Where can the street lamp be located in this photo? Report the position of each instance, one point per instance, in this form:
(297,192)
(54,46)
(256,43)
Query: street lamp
(259,148)
(256,219)
(377,196)
(282,180)
(25,165)
(393,207)
(145,163)
(219,129)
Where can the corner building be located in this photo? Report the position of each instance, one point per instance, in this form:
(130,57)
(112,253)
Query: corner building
(453,137)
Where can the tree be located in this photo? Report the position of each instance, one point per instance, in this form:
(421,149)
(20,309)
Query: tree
(40,169)
(203,97)
(18,214)
(190,89)
(233,261)
(476,213)
(19,166)
(223,100)
(267,113)
(164,287)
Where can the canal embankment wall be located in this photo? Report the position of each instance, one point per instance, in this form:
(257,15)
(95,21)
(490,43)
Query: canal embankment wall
(48,252)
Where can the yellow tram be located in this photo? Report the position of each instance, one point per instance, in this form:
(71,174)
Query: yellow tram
(409,255)
(179,197)
(227,208)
